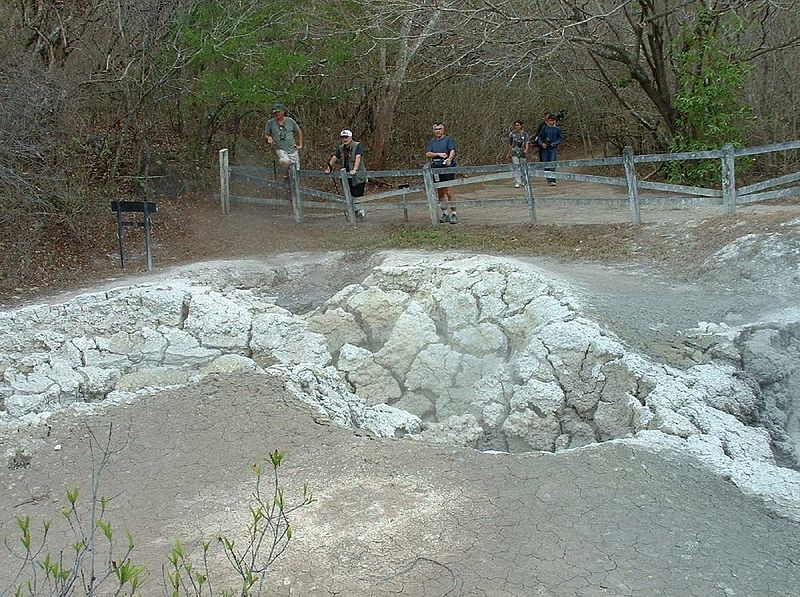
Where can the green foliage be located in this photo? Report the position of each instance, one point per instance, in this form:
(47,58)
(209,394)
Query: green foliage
(243,55)
(76,570)
(96,563)
(711,76)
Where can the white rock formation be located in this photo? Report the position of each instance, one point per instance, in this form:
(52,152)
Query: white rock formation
(488,352)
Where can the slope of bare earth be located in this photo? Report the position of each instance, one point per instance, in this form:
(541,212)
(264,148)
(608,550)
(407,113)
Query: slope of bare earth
(402,517)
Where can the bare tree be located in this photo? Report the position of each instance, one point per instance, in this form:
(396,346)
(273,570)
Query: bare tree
(628,46)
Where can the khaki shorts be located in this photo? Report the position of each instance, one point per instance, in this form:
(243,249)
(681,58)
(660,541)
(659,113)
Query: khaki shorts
(285,158)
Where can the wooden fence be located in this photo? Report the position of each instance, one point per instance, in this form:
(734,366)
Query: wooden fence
(404,196)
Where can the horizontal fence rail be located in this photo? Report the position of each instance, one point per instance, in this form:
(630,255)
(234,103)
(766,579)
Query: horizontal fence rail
(425,181)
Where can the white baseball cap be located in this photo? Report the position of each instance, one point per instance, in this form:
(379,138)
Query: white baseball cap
(346,133)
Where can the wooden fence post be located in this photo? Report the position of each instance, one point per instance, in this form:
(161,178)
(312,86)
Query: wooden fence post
(297,200)
(633,188)
(431,194)
(405,200)
(349,209)
(728,180)
(148,227)
(224,182)
(526,180)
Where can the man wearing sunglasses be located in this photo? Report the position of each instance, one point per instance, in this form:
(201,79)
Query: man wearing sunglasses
(286,138)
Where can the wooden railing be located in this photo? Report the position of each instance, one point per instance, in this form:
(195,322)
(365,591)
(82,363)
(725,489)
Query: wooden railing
(728,196)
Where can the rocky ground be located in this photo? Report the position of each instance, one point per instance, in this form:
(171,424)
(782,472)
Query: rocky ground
(623,517)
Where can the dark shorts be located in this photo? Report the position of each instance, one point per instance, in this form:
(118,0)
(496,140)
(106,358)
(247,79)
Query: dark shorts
(356,190)
(443,177)
(446,177)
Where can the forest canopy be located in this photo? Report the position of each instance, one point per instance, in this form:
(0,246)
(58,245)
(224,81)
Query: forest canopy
(96,93)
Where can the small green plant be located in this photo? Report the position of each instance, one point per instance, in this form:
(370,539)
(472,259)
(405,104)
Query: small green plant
(266,537)
(96,561)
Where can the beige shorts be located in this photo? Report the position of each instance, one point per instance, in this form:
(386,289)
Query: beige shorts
(285,158)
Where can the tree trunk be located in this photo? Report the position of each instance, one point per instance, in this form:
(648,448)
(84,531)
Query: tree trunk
(382,121)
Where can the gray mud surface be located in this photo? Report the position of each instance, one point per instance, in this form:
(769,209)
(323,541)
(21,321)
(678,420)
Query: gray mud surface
(402,517)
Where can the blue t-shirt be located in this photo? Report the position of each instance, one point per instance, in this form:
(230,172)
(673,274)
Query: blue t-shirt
(443,145)
(552,135)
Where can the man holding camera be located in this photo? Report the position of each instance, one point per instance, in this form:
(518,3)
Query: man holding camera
(548,140)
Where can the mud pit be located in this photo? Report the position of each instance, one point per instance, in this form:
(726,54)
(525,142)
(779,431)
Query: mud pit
(468,352)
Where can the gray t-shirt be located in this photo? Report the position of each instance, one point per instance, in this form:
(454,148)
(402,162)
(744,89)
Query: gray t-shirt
(283,134)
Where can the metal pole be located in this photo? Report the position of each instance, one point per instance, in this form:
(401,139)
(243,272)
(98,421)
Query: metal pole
(348,198)
(224,182)
(633,188)
(430,193)
(526,180)
(405,201)
(728,179)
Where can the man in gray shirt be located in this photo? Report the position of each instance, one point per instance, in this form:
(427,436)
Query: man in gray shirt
(285,136)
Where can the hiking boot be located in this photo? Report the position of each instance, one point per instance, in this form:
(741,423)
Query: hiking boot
(453,219)
(443,219)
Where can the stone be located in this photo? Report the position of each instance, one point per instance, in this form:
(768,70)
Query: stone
(377,310)
(280,337)
(433,370)
(387,421)
(229,363)
(535,431)
(219,322)
(339,328)
(481,339)
(371,381)
(413,331)
(458,430)
(151,378)
(416,404)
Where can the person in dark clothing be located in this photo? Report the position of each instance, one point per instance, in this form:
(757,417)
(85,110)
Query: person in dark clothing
(351,154)
(548,139)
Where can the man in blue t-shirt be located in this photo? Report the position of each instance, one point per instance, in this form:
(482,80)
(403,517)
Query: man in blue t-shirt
(548,140)
(441,151)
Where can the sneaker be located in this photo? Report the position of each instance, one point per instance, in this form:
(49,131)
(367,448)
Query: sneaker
(361,215)
(453,219)
(517,185)
(443,219)
(552,183)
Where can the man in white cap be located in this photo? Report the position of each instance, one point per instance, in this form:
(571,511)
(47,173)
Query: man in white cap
(285,136)
(351,154)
